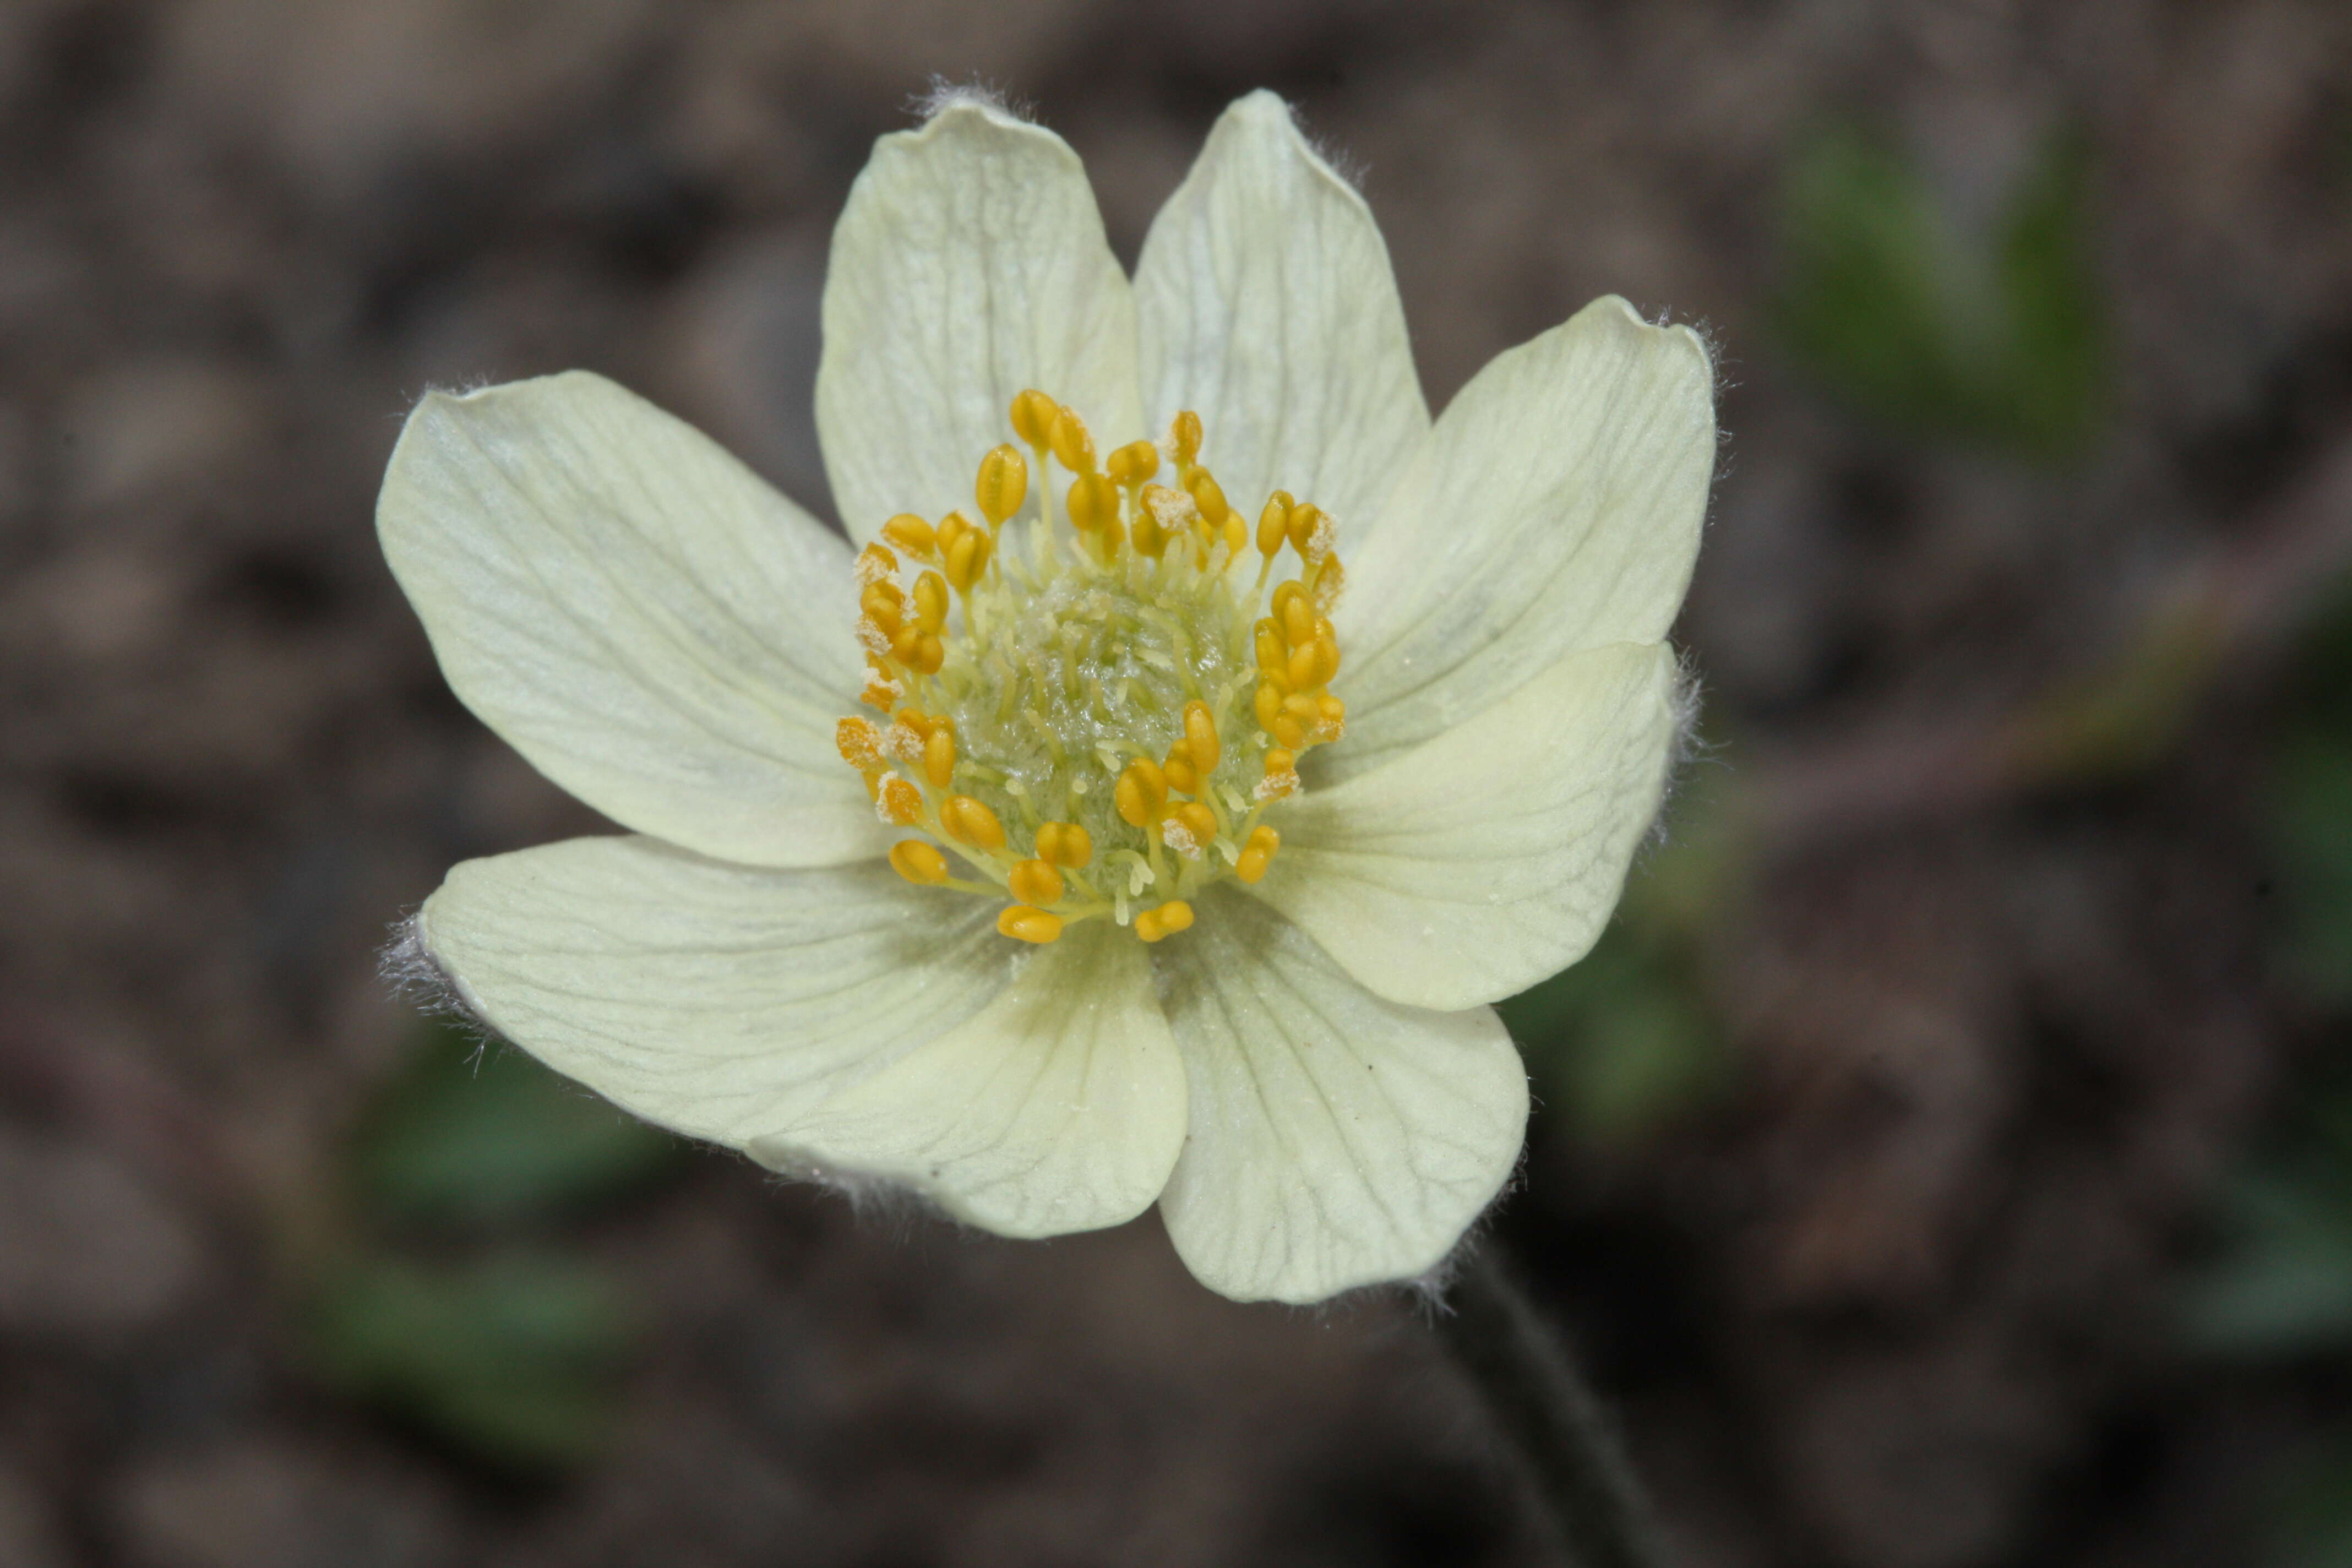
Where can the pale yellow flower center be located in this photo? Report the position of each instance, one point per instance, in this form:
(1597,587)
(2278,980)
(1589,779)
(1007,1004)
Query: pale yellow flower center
(1094,722)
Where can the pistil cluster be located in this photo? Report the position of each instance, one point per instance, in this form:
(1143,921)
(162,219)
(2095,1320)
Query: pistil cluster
(1086,710)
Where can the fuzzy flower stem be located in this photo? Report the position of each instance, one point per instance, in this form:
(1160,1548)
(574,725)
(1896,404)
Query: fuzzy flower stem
(1551,1417)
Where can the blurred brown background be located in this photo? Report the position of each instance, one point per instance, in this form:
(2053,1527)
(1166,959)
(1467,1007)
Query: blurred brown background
(1945,1162)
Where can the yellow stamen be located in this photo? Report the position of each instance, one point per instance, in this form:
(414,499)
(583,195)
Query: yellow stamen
(931,601)
(1073,443)
(1156,708)
(918,862)
(911,534)
(1301,528)
(1094,503)
(1024,924)
(1258,853)
(1142,790)
(898,802)
(1199,820)
(939,759)
(1183,776)
(1267,705)
(1153,925)
(1035,882)
(1200,736)
(1033,417)
(967,559)
(1185,435)
(1273,524)
(1002,484)
(860,744)
(1273,656)
(1065,844)
(1209,497)
(971,821)
(1133,463)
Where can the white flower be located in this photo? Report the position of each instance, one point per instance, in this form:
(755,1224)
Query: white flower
(1078,736)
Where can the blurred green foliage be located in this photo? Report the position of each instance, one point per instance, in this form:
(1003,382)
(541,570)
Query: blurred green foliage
(1619,1044)
(1626,1040)
(1998,339)
(2276,1294)
(453,1302)
(515,1357)
(2280,1285)
(475,1137)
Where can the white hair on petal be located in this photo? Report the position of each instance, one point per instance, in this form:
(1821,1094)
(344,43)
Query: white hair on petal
(411,972)
(943,95)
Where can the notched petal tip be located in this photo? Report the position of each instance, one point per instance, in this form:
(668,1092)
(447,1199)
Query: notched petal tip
(986,99)
(1616,310)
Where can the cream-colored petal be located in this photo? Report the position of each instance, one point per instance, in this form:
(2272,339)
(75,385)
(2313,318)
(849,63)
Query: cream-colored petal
(1265,304)
(1473,865)
(1556,507)
(1058,1108)
(1336,1140)
(835,1021)
(969,265)
(636,612)
(723,1001)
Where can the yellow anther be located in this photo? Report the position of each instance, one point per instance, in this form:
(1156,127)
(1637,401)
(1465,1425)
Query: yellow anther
(1303,665)
(952,527)
(1065,844)
(1272,655)
(1133,463)
(1267,705)
(1329,711)
(1274,523)
(972,822)
(1184,433)
(1002,484)
(1209,496)
(1094,503)
(1279,760)
(910,534)
(939,759)
(1258,853)
(880,689)
(1289,731)
(918,862)
(1198,821)
(932,653)
(1141,792)
(1293,611)
(1326,652)
(1236,534)
(967,559)
(873,564)
(1153,925)
(1304,520)
(906,644)
(1151,536)
(1035,882)
(1033,417)
(931,601)
(1200,736)
(1329,580)
(1023,923)
(1073,443)
(898,801)
(860,744)
(1183,776)
(886,604)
